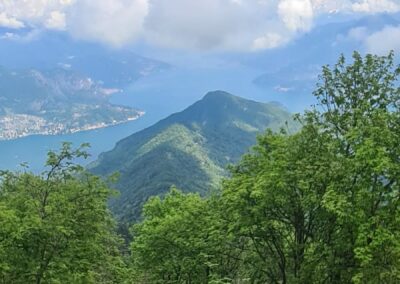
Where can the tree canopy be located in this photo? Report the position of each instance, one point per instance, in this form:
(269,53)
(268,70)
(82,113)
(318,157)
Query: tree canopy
(317,206)
(55,227)
(321,205)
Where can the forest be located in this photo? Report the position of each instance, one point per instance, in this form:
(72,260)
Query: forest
(320,205)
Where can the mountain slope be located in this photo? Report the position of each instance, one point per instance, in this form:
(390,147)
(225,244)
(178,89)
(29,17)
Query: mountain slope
(115,68)
(292,71)
(189,149)
(52,84)
(53,102)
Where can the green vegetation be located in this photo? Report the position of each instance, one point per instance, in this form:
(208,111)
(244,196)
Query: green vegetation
(189,150)
(56,228)
(321,205)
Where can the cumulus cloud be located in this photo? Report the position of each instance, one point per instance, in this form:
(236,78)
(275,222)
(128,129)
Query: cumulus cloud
(376,6)
(356,6)
(296,14)
(34,13)
(206,24)
(358,33)
(270,40)
(56,21)
(24,37)
(330,6)
(188,24)
(9,36)
(382,42)
(116,22)
(227,24)
(10,22)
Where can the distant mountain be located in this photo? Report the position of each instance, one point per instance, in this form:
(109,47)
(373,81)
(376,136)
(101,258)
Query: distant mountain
(294,68)
(52,84)
(189,149)
(115,68)
(54,102)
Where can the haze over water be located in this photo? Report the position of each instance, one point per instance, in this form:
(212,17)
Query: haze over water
(159,95)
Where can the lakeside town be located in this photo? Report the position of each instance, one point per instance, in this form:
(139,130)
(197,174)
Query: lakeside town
(15,126)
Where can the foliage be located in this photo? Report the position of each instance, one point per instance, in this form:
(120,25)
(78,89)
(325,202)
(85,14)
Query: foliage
(55,227)
(318,206)
(180,241)
(362,118)
(189,150)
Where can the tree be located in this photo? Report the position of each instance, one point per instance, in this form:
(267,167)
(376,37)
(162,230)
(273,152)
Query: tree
(55,227)
(181,241)
(361,112)
(274,196)
(323,205)
(318,206)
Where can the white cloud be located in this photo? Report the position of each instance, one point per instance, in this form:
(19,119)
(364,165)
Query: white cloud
(358,33)
(25,37)
(9,36)
(47,13)
(207,24)
(56,21)
(356,6)
(296,14)
(186,24)
(330,6)
(376,6)
(116,22)
(10,22)
(382,42)
(270,40)
(226,24)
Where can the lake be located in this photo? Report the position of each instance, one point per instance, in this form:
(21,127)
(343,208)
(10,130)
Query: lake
(159,95)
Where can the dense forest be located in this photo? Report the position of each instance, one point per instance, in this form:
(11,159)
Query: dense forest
(321,205)
(189,150)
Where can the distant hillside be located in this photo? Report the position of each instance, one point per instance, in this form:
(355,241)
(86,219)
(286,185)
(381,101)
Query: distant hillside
(115,68)
(189,149)
(54,102)
(294,68)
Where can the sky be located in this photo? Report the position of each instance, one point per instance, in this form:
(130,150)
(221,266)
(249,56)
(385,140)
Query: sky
(200,25)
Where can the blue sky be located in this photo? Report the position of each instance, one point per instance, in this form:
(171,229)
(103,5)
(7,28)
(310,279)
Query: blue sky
(199,25)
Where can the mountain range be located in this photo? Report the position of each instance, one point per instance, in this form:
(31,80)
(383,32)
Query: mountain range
(59,85)
(54,102)
(114,68)
(189,149)
(286,74)
(295,67)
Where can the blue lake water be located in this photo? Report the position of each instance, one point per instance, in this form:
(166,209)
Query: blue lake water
(158,95)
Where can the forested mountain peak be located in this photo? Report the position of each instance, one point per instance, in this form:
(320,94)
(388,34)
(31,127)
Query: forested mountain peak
(220,109)
(189,149)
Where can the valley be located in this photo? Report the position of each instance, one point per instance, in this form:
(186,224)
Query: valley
(159,96)
(199,142)
(286,75)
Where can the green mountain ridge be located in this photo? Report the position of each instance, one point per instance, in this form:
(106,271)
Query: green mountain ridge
(189,149)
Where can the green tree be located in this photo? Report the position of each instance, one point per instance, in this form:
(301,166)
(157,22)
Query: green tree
(181,241)
(55,227)
(323,205)
(362,114)
(274,198)
(318,206)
